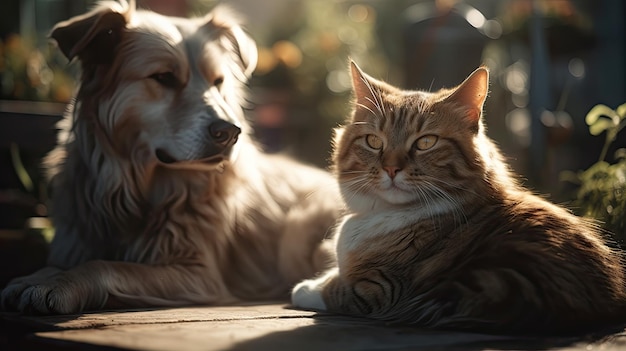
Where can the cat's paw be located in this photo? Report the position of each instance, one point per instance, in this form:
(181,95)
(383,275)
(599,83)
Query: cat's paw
(308,294)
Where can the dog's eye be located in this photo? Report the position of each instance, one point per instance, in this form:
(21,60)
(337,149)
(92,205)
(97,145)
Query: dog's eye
(166,79)
(218,81)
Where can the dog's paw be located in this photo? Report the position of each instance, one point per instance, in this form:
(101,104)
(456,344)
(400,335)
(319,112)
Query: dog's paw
(308,294)
(50,299)
(56,293)
(40,299)
(11,295)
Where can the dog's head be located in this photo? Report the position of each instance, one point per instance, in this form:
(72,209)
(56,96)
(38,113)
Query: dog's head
(168,89)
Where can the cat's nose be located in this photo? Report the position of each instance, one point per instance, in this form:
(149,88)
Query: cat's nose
(392,171)
(224,133)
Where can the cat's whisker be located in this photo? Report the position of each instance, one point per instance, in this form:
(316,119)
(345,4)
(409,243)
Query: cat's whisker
(429,200)
(423,106)
(352,172)
(356,184)
(430,194)
(378,102)
(358,123)
(454,205)
(369,109)
(359,186)
(442,194)
(423,198)
(357,181)
(466,189)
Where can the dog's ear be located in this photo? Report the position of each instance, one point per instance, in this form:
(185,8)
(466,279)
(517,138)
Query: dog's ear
(235,39)
(247,50)
(92,37)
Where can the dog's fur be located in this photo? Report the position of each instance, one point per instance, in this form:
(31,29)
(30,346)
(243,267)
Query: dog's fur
(151,206)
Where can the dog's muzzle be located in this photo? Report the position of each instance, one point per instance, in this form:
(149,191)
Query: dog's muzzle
(221,137)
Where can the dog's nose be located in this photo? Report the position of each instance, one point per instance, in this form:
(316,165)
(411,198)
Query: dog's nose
(224,133)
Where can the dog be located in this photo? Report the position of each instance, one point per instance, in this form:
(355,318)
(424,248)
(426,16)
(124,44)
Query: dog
(160,196)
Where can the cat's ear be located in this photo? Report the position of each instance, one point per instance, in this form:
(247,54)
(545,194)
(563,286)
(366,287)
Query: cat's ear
(365,93)
(472,93)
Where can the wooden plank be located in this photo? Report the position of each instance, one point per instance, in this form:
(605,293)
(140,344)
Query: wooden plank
(29,108)
(154,316)
(259,327)
(298,333)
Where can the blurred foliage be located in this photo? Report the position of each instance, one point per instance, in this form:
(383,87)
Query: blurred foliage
(303,68)
(602,187)
(29,73)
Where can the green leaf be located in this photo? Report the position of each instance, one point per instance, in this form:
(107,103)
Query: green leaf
(19,168)
(621,111)
(569,176)
(600,110)
(600,126)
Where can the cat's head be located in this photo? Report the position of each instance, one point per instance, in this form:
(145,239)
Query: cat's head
(402,147)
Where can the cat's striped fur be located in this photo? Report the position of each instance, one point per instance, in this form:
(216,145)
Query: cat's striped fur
(441,234)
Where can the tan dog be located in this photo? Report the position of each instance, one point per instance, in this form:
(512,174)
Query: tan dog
(159,196)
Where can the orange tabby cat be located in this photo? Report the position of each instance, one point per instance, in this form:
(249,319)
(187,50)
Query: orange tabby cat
(440,234)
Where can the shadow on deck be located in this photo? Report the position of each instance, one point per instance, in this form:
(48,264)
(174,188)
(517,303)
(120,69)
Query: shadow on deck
(273,327)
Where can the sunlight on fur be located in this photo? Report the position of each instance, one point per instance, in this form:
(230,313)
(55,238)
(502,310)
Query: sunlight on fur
(440,234)
(150,205)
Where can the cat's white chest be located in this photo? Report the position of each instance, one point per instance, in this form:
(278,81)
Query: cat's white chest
(357,228)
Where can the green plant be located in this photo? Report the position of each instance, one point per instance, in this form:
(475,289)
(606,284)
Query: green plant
(602,187)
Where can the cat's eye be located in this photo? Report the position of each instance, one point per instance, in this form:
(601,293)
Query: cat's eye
(373,141)
(426,142)
(166,79)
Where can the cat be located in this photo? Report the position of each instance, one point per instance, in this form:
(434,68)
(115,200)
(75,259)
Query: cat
(439,233)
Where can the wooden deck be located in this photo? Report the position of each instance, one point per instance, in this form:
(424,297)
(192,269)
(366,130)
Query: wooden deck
(273,327)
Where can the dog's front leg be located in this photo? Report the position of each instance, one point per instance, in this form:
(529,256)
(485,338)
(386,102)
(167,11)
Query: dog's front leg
(90,285)
(140,285)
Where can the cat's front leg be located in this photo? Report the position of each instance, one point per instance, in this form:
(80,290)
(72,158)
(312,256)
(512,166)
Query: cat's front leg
(308,294)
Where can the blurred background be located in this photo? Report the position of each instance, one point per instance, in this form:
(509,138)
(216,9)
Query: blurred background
(551,62)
